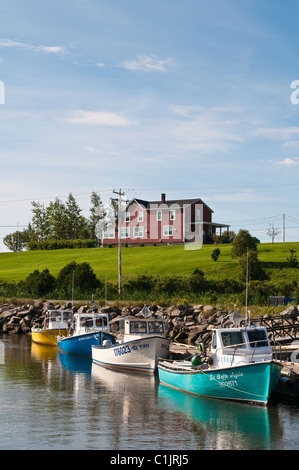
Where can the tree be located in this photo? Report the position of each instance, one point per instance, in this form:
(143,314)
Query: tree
(79,276)
(18,240)
(255,269)
(39,221)
(97,213)
(56,218)
(228,236)
(74,222)
(272,232)
(242,242)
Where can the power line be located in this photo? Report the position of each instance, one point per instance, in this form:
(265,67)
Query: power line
(18,201)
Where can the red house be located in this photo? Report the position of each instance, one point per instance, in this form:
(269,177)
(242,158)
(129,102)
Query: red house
(164,222)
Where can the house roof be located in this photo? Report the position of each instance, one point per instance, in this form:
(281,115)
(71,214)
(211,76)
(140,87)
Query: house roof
(168,203)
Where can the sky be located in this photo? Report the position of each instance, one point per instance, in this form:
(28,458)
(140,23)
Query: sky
(191,99)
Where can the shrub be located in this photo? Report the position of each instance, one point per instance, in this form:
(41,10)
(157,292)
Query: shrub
(38,284)
(60,244)
(215,254)
(78,276)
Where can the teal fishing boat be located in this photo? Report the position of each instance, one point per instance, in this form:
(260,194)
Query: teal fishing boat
(240,367)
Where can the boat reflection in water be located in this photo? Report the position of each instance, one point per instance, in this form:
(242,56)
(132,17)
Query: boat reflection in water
(224,424)
(132,404)
(43,353)
(75,363)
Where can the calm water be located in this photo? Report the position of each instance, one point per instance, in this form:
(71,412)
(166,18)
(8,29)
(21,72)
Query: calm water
(50,400)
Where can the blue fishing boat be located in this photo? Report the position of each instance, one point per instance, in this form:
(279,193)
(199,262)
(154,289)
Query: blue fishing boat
(240,367)
(89,329)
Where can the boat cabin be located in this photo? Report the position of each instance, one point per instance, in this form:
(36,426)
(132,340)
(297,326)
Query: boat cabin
(90,322)
(133,327)
(58,319)
(237,346)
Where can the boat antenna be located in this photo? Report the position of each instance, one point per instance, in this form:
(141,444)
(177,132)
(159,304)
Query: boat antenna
(73,281)
(246,289)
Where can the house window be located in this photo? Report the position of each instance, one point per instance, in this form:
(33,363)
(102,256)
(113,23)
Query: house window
(125,232)
(159,215)
(109,232)
(167,230)
(198,217)
(128,216)
(138,232)
(140,216)
(172,215)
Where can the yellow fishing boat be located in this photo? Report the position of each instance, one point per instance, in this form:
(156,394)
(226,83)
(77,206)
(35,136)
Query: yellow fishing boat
(56,323)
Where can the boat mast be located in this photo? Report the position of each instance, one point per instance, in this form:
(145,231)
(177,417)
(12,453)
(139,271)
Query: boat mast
(246,289)
(119,212)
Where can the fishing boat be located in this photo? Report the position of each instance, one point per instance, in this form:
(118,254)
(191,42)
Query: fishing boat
(143,342)
(89,329)
(240,367)
(56,323)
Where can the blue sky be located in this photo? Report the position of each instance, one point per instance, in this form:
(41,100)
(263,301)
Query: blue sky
(191,99)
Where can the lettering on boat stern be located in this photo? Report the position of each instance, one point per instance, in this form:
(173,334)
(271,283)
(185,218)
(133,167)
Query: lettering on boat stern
(168,460)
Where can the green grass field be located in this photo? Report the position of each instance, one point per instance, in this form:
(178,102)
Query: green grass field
(152,260)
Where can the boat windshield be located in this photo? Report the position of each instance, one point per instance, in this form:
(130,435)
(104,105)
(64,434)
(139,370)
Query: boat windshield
(58,315)
(156,326)
(232,338)
(138,326)
(101,321)
(86,321)
(257,338)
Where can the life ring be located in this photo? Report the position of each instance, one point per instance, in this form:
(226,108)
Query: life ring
(295,356)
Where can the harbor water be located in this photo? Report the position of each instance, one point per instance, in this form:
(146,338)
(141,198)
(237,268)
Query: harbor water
(54,401)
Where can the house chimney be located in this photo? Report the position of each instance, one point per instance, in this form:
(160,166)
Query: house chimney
(163,197)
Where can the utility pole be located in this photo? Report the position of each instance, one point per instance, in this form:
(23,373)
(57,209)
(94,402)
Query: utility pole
(120,194)
(283,227)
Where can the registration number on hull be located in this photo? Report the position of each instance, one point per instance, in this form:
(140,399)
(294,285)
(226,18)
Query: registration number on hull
(128,349)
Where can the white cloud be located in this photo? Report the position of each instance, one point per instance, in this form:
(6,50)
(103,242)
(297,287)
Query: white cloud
(289,161)
(147,63)
(100,118)
(277,133)
(207,129)
(21,45)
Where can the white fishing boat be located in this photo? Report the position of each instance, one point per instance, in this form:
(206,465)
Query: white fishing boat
(143,342)
(240,366)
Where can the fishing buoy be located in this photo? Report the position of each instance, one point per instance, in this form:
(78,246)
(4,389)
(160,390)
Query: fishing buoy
(196,360)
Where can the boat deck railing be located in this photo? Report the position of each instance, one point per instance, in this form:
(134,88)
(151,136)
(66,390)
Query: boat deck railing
(244,345)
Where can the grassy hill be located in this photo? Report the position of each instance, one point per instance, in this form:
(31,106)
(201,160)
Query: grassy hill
(152,260)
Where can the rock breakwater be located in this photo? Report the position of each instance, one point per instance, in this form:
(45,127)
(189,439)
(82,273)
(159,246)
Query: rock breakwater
(186,324)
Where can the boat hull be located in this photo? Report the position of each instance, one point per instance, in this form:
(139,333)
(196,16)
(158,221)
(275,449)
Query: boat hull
(253,382)
(47,337)
(81,344)
(139,355)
